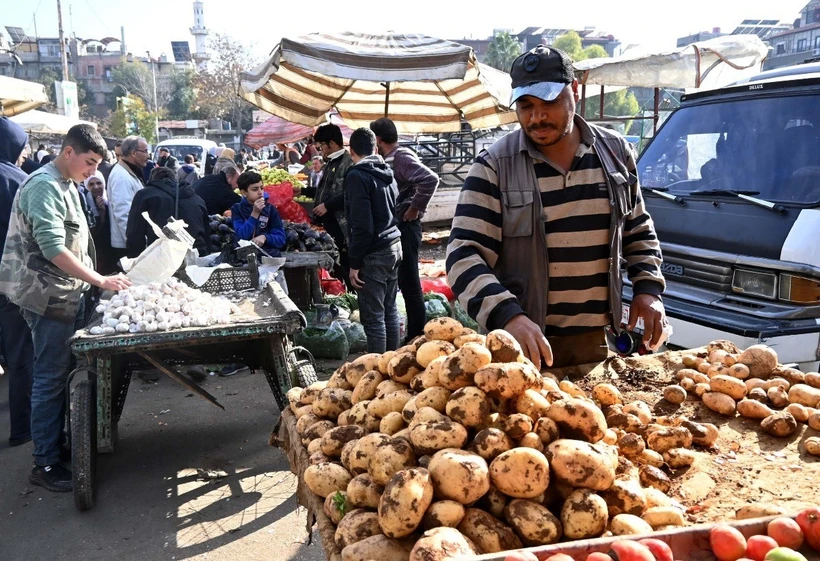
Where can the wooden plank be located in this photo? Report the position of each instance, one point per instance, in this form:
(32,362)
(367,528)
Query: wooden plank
(179,378)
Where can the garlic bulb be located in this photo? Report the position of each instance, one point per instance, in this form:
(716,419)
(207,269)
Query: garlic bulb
(122,328)
(96,330)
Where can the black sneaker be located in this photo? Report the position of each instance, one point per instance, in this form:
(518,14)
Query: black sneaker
(231,369)
(54,478)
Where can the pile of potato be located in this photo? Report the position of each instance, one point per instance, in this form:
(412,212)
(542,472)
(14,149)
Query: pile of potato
(752,384)
(456,444)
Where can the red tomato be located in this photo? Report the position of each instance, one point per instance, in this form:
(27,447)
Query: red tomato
(809,522)
(525,556)
(728,544)
(659,548)
(559,557)
(758,546)
(598,556)
(631,551)
(786,532)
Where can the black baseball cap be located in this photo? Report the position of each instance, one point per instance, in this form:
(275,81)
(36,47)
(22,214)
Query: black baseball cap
(541,72)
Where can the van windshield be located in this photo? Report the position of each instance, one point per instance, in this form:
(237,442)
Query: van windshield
(179,151)
(767,145)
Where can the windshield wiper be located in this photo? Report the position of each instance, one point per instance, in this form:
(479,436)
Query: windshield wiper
(662,192)
(745,195)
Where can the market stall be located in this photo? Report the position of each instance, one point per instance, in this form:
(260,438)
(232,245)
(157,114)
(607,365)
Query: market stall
(42,123)
(454,446)
(19,96)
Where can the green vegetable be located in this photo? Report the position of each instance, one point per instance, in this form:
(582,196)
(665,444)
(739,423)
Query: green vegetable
(340,503)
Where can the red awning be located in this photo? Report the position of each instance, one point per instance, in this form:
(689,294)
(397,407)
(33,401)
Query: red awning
(277,130)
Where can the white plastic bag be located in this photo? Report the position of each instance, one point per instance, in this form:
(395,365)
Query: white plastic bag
(161,259)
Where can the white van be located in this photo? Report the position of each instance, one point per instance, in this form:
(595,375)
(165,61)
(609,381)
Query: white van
(181,147)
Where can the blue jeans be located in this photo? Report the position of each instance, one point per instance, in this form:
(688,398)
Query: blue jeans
(52,362)
(15,339)
(377,300)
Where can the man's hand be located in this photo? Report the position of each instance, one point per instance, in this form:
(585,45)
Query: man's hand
(320,210)
(258,207)
(355,280)
(114,283)
(650,308)
(410,214)
(532,340)
(259,240)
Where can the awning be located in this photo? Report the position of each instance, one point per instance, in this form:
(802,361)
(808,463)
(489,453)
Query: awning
(18,96)
(47,123)
(422,83)
(276,130)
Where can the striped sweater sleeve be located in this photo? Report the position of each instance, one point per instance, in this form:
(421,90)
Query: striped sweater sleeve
(474,247)
(641,247)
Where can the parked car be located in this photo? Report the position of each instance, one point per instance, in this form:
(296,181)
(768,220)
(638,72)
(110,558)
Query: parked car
(732,181)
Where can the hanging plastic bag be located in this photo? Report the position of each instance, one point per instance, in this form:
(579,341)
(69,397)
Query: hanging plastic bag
(436,306)
(330,343)
(160,260)
(438,286)
(356,337)
(280,193)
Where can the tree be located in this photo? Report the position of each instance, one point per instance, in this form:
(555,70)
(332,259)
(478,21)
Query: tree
(621,103)
(136,79)
(595,51)
(131,117)
(503,50)
(572,45)
(182,96)
(217,85)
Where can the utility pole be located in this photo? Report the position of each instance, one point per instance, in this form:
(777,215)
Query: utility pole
(63,54)
(156,107)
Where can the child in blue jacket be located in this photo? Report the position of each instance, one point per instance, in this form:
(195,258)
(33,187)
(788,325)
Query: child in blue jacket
(254,219)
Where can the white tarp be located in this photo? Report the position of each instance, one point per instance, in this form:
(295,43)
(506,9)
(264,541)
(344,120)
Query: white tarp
(47,123)
(703,65)
(18,96)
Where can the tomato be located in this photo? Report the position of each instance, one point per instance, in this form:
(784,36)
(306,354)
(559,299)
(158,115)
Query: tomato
(529,556)
(809,522)
(558,557)
(784,554)
(598,556)
(630,551)
(786,532)
(659,548)
(728,544)
(758,546)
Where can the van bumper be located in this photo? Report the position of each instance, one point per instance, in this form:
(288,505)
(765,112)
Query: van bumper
(695,325)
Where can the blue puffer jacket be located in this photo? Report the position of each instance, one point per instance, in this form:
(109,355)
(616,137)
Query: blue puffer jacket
(12,141)
(268,224)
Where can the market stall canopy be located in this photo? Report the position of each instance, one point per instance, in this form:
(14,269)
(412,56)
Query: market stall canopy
(47,123)
(707,64)
(275,130)
(423,84)
(18,96)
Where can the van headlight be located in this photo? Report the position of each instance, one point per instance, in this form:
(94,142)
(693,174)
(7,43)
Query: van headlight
(755,283)
(800,290)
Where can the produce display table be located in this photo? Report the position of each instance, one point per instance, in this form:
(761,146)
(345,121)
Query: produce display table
(284,436)
(302,275)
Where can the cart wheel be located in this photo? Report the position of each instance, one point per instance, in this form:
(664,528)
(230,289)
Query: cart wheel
(84,443)
(306,368)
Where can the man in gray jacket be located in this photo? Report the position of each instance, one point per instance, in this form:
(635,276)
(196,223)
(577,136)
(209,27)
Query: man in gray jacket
(123,183)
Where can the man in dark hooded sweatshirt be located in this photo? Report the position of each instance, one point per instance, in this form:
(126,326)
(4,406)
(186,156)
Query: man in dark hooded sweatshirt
(374,241)
(163,198)
(15,335)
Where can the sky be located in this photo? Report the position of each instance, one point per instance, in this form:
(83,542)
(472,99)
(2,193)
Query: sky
(152,24)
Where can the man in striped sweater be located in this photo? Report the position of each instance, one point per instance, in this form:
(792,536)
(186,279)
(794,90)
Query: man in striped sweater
(544,220)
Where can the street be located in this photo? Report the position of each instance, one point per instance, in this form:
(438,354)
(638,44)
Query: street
(186,481)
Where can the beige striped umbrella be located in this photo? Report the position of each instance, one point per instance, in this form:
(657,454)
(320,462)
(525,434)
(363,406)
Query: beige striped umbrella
(425,85)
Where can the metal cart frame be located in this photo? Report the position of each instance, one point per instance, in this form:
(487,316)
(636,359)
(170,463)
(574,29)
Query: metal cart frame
(98,398)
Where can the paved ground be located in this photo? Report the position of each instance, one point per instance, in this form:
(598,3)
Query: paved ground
(152,503)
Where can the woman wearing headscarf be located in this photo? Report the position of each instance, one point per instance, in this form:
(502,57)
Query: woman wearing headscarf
(95,205)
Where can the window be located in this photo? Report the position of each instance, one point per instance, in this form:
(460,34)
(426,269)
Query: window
(817,42)
(816,16)
(781,49)
(2,70)
(802,45)
(90,70)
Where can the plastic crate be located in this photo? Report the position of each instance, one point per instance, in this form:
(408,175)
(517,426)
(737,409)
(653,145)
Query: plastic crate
(231,279)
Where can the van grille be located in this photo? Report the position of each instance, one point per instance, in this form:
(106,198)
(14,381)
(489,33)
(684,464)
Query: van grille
(697,271)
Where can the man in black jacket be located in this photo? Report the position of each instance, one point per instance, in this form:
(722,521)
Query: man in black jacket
(162,198)
(218,190)
(166,160)
(375,241)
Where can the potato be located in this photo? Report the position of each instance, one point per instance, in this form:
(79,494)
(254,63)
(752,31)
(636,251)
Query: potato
(753,409)
(364,449)
(533,522)
(316,430)
(389,458)
(776,383)
(344,419)
(624,497)
(584,515)
(814,421)
(521,473)
(728,385)
(581,464)
(389,386)
(315,446)
(306,421)
(679,458)
(665,439)
(493,502)
(365,390)
(813,379)
(758,510)
(760,359)
(459,475)
(571,389)
(658,516)
(799,412)
(391,423)
(332,504)
(532,404)
(629,524)
(440,544)
(363,492)
(318,458)
(468,406)
(461,340)
(360,366)
(758,394)
(780,424)
(379,548)
(487,532)
(331,402)
(720,403)
(717,370)
(690,360)
(435,397)
(430,437)
(625,422)
(739,371)
(631,445)
(294,397)
(507,381)
(675,394)
(578,419)
(355,526)
(335,439)
(531,440)
(443,329)
(325,479)
(389,403)
(403,367)
(607,394)
(517,425)
(427,415)
(443,513)
(804,395)
(458,369)
(338,380)
(347,455)
(491,442)
(701,389)
(311,393)
(704,368)
(651,476)
(656,498)
(404,502)
(778,396)
(504,347)
(812,445)
(431,350)
(640,409)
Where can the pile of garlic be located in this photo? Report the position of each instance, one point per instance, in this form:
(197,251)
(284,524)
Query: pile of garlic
(161,307)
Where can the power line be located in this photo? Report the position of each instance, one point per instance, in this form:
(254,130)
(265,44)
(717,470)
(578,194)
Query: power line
(93,11)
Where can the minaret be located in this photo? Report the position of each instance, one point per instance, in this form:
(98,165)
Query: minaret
(200,33)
